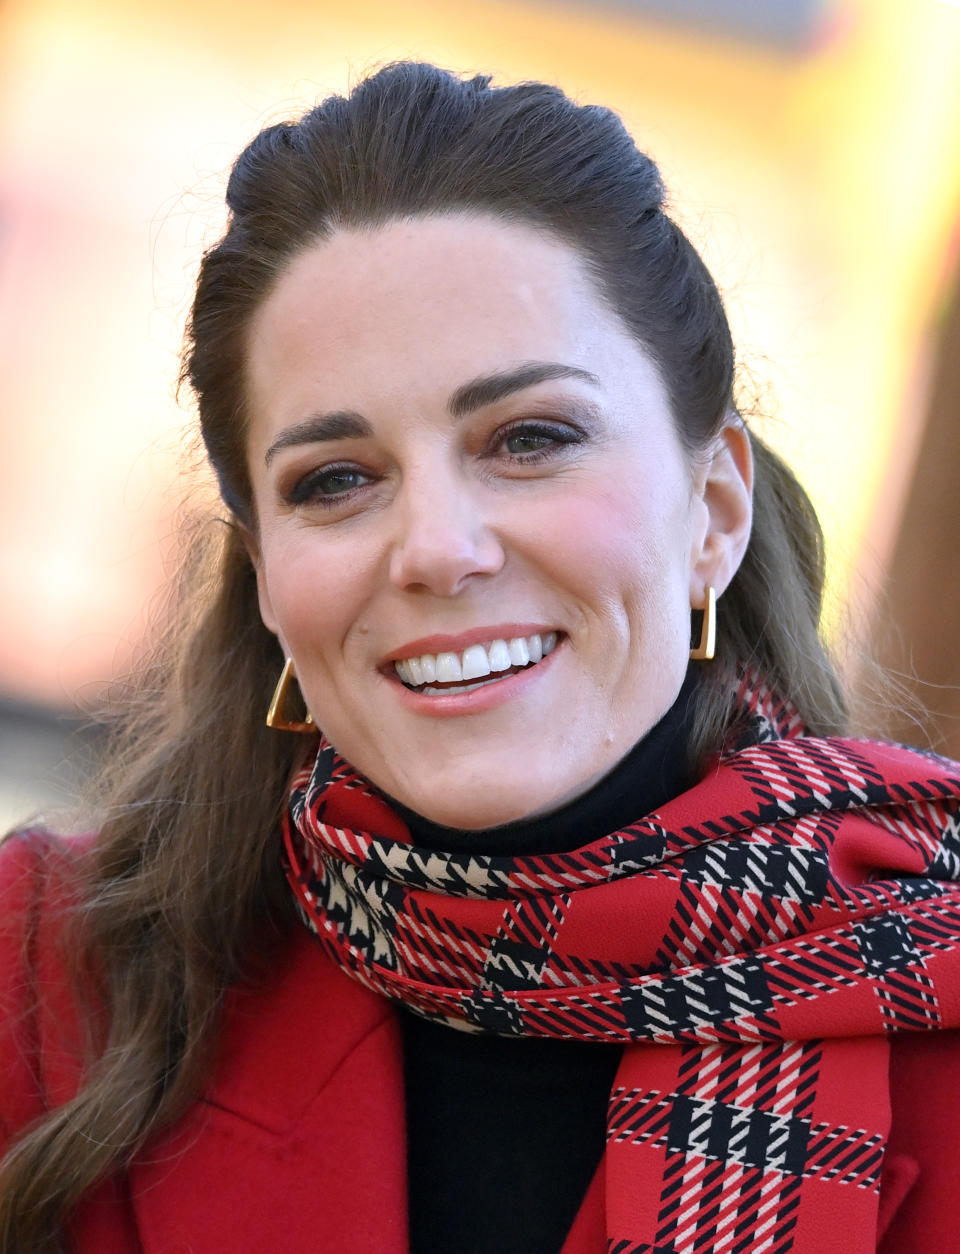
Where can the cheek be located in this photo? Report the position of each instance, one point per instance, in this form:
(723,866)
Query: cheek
(314,592)
(628,549)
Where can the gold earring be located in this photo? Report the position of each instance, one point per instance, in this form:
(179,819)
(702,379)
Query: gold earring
(707,644)
(275,716)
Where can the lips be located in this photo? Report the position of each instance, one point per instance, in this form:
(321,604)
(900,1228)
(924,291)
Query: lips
(484,661)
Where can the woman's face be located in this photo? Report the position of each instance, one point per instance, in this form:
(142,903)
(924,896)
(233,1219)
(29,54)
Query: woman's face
(457,452)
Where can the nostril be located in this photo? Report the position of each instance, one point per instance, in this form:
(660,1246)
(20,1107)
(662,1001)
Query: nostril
(443,561)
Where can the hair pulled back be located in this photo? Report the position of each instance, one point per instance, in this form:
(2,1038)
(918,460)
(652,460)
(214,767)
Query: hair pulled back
(414,140)
(182,882)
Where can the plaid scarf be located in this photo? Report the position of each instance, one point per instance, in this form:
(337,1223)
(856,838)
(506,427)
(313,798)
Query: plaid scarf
(752,943)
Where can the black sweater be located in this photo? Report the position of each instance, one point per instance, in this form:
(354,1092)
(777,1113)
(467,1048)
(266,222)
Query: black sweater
(503,1133)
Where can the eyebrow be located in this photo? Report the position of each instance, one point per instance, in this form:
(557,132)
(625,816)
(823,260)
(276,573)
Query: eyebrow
(347,424)
(489,388)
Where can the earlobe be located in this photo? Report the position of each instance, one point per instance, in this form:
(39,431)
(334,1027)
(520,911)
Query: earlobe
(252,545)
(727,494)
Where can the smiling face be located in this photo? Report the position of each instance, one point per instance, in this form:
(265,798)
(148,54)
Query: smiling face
(461,459)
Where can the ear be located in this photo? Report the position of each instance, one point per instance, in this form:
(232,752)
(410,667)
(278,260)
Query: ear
(724,483)
(252,544)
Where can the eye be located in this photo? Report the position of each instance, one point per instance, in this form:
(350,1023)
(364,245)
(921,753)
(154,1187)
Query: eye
(531,441)
(522,441)
(327,485)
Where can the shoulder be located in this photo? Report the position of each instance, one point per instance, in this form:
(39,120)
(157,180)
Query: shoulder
(27,853)
(35,868)
(876,758)
(37,884)
(873,780)
(859,781)
(38,1058)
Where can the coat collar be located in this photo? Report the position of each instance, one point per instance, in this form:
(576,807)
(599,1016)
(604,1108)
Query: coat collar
(298,1142)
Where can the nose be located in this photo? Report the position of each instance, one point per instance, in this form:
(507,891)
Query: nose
(443,539)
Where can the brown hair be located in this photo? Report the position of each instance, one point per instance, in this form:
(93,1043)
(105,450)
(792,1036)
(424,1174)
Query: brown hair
(183,879)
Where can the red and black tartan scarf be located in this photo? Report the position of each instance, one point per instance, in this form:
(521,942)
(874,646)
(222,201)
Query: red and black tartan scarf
(752,943)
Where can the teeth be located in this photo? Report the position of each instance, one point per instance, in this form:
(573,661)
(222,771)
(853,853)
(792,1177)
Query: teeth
(416,671)
(519,653)
(499,656)
(449,670)
(475,662)
(445,692)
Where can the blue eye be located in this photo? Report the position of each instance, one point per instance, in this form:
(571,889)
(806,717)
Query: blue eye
(325,486)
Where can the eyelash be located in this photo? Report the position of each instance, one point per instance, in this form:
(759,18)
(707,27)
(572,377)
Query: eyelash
(306,491)
(560,434)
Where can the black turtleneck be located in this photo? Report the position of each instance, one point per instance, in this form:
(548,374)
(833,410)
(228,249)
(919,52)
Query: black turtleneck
(504,1133)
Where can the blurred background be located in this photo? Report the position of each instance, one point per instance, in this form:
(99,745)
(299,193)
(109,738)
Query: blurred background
(812,148)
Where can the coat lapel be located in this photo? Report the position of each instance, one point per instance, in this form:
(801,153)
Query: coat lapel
(299,1142)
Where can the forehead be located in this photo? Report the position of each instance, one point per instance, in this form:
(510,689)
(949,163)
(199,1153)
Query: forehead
(427,302)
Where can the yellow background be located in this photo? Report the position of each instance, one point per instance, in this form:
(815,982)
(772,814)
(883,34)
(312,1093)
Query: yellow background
(823,188)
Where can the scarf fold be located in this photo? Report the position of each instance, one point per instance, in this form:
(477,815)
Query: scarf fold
(752,943)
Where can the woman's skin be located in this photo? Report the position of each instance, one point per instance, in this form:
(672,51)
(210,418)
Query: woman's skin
(454,441)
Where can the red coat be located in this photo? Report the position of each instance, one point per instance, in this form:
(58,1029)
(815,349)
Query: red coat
(298,1144)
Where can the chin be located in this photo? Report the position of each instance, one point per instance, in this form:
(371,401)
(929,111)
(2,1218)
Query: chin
(477,810)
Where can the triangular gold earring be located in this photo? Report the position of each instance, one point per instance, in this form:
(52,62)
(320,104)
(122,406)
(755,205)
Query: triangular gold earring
(707,644)
(275,715)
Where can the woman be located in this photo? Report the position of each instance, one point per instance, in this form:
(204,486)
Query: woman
(572,932)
